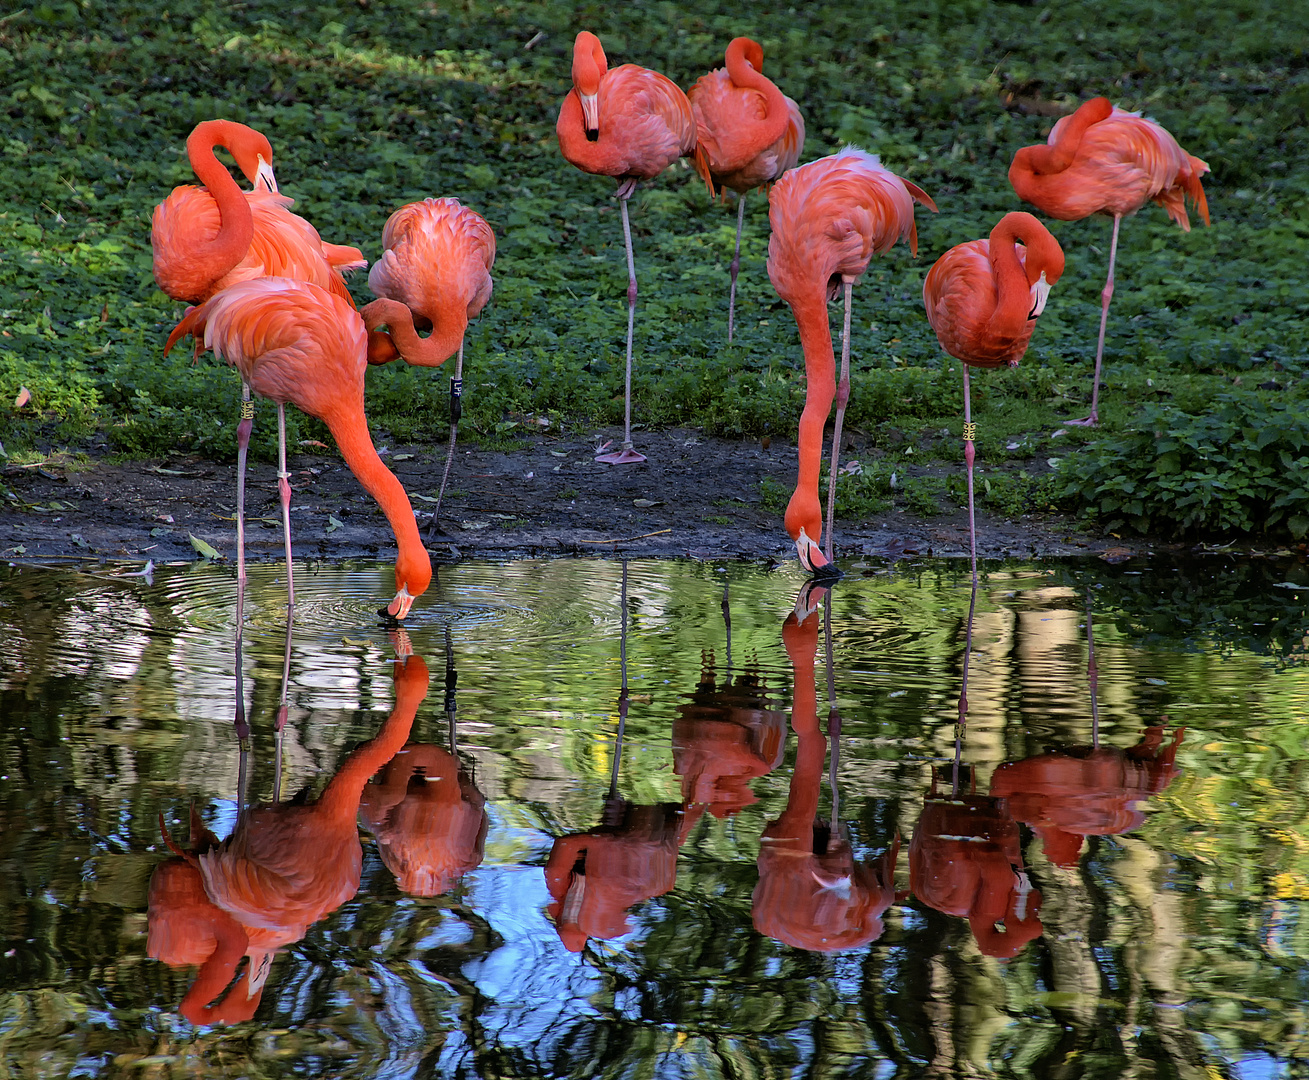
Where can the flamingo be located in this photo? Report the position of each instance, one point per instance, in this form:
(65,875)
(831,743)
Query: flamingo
(296,342)
(435,272)
(983,299)
(829,218)
(1105,160)
(205,239)
(284,867)
(630,123)
(749,130)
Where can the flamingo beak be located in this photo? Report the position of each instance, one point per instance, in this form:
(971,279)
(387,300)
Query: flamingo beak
(1040,294)
(399,607)
(265,176)
(591,115)
(811,555)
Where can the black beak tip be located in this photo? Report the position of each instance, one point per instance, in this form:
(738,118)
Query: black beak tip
(827,574)
(388,620)
(592,134)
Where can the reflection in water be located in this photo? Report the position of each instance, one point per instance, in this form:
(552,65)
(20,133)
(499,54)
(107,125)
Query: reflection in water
(1167,949)
(425,812)
(965,858)
(631,856)
(812,893)
(284,867)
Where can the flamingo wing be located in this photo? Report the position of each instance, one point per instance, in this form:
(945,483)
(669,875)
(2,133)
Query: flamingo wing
(650,116)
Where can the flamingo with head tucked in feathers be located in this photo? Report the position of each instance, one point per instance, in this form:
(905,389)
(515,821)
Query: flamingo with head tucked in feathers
(630,123)
(829,218)
(749,131)
(983,299)
(1104,160)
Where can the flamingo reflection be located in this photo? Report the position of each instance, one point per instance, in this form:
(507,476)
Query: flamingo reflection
(594,877)
(425,812)
(284,867)
(811,892)
(724,737)
(965,857)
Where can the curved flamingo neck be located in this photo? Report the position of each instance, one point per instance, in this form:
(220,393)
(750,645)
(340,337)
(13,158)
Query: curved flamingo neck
(1015,277)
(1032,163)
(237,227)
(343,792)
(413,569)
(744,63)
(435,349)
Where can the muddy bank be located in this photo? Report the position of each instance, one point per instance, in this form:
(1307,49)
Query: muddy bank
(695,497)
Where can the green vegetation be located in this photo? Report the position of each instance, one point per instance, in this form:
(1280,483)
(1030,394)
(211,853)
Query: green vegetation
(372,105)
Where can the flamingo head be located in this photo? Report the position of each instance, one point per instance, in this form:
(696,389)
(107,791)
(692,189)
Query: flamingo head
(413,573)
(744,50)
(804,522)
(253,153)
(589,64)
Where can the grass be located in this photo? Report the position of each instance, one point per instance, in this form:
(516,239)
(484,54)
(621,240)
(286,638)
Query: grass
(368,107)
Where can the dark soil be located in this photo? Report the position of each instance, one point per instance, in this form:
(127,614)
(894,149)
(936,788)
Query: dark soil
(695,496)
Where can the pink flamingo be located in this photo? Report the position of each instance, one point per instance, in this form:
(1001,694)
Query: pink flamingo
(1103,160)
(630,123)
(749,130)
(983,299)
(435,273)
(829,218)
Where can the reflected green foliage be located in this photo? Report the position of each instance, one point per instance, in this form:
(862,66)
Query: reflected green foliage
(371,106)
(117,705)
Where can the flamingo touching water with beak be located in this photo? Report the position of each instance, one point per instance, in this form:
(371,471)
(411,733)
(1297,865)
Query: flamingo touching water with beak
(296,343)
(829,218)
(749,130)
(630,123)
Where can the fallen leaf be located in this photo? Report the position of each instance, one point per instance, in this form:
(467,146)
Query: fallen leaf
(473,526)
(351,641)
(1289,585)
(24,396)
(77,539)
(558,453)
(645,503)
(425,498)
(205,550)
(333,524)
(401,457)
(166,518)
(19,550)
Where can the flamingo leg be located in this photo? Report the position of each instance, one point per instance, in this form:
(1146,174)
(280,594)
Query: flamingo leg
(1106,295)
(456,410)
(842,396)
(1092,674)
(969,454)
(963,686)
(284,491)
(280,723)
(627,455)
(243,429)
(735,267)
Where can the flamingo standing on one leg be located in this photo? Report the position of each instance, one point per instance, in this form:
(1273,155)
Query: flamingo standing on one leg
(207,238)
(435,272)
(1103,160)
(295,342)
(829,218)
(630,123)
(982,299)
(749,130)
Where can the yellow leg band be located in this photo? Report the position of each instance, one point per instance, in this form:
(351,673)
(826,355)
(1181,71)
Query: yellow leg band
(970,432)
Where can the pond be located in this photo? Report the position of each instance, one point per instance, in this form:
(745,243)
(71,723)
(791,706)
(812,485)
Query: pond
(729,827)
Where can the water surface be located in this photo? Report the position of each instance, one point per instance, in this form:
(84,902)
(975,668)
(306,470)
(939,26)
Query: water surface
(738,895)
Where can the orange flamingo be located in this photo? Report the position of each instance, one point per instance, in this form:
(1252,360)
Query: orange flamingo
(829,218)
(295,342)
(435,272)
(630,123)
(1069,794)
(283,868)
(965,860)
(207,238)
(1104,160)
(812,893)
(749,131)
(983,299)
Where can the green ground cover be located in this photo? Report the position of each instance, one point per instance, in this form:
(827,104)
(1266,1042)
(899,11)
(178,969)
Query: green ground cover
(369,105)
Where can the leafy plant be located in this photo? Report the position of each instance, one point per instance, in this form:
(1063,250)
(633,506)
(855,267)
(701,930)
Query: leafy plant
(1242,466)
